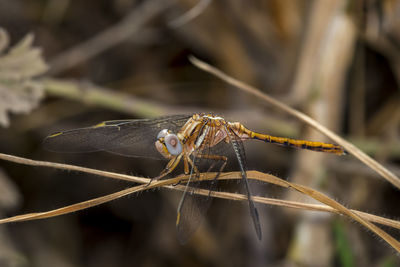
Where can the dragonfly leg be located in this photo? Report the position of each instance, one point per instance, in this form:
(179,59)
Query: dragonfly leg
(177,183)
(186,169)
(216,158)
(168,169)
(185,165)
(204,156)
(188,161)
(193,167)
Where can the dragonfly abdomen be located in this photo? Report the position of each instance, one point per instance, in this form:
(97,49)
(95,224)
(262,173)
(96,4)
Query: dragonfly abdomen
(303,144)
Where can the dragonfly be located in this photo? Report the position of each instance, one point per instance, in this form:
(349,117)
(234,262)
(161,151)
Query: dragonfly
(200,141)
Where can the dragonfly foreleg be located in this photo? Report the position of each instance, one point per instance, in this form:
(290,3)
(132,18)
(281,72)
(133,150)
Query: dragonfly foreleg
(185,169)
(168,169)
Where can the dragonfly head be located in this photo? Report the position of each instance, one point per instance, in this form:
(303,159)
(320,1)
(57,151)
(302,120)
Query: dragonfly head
(168,144)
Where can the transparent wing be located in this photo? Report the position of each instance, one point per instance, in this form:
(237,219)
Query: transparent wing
(193,207)
(238,148)
(191,212)
(132,138)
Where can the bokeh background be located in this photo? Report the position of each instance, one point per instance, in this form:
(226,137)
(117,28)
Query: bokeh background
(336,60)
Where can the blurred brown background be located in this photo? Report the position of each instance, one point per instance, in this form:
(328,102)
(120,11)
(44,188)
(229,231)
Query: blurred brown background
(337,61)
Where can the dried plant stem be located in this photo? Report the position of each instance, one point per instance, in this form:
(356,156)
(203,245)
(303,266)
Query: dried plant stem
(102,97)
(334,206)
(112,36)
(373,164)
(68,167)
(191,14)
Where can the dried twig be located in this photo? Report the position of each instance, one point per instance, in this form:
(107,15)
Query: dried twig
(112,36)
(191,14)
(332,205)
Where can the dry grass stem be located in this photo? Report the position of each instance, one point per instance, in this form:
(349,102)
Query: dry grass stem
(331,205)
(191,14)
(112,36)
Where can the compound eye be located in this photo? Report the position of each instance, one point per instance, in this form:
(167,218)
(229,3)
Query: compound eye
(173,145)
(162,134)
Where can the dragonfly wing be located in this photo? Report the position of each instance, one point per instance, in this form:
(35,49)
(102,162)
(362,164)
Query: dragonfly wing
(194,206)
(77,140)
(191,212)
(133,138)
(239,150)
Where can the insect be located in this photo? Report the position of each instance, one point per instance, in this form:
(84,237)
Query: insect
(192,139)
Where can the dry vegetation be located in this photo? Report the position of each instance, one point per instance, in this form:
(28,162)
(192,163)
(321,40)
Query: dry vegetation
(68,64)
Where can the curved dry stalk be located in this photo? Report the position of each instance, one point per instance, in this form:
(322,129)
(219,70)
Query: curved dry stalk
(68,167)
(332,205)
(106,98)
(169,183)
(191,14)
(89,203)
(110,37)
(367,160)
